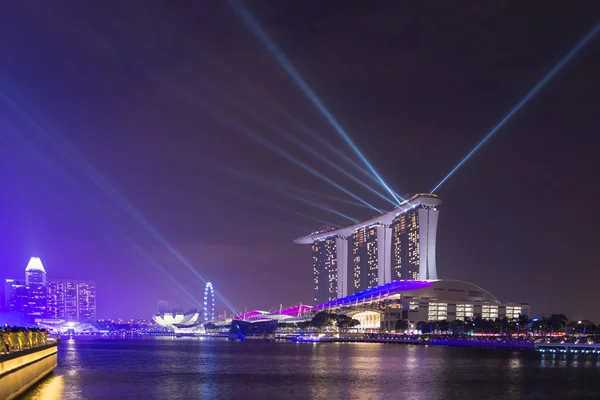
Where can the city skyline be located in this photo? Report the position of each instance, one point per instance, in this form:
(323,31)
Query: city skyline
(167,122)
(37,297)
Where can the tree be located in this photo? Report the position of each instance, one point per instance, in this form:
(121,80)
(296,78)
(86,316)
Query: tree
(442,325)
(424,326)
(458,326)
(323,319)
(402,325)
(540,324)
(557,322)
(469,325)
(344,322)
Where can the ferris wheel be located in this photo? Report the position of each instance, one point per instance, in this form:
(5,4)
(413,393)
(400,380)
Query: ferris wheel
(209,303)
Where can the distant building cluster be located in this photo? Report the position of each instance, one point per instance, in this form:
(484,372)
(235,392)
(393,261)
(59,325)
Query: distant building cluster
(37,297)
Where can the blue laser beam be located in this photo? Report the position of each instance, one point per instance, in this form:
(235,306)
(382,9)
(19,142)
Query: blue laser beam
(64,146)
(266,184)
(261,140)
(296,141)
(323,195)
(39,156)
(259,94)
(287,210)
(543,82)
(287,65)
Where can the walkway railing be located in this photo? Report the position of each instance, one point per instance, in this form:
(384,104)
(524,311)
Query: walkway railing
(11,342)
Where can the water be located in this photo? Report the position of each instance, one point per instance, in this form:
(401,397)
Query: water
(170,368)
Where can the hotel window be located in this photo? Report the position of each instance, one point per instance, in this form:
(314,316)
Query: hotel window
(437,311)
(513,312)
(489,312)
(464,311)
(413,305)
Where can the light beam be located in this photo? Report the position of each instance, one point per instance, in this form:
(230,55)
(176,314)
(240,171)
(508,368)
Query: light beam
(297,78)
(297,142)
(89,170)
(564,61)
(266,184)
(264,142)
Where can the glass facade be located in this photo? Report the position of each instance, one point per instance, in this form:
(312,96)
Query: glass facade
(464,311)
(15,295)
(513,312)
(438,311)
(489,311)
(72,300)
(324,254)
(405,246)
(364,259)
(35,280)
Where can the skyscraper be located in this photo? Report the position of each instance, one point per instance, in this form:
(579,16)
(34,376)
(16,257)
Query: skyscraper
(324,254)
(396,245)
(72,300)
(413,244)
(364,258)
(15,295)
(35,280)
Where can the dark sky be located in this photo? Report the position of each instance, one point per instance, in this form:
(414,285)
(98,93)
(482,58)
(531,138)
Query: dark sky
(134,86)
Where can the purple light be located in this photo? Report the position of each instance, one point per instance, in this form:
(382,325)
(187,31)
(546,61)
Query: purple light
(295,310)
(394,286)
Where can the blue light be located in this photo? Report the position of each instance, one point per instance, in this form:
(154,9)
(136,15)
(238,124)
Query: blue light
(287,210)
(91,172)
(299,143)
(525,99)
(289,67)
(277,189)
(139,249)
(264,142)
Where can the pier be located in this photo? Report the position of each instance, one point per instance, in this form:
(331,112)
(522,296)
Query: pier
(25,358)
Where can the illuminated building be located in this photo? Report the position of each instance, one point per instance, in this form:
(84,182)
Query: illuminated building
(413,244)
(72,300)
(15,295)
(364,258)
(399,244)
(177,318)
(325,269)
(382,306)
(35,280)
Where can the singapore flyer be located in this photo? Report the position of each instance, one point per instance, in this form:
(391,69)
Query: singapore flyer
(209,303)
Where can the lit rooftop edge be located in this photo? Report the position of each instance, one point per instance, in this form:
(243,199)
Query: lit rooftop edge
(427,199)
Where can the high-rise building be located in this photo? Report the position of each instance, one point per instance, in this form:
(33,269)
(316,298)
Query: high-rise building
(398,245)
(35,297)
(72,300)
(324,254)
(15,295)
(413,244)
(364,258)
(35,280)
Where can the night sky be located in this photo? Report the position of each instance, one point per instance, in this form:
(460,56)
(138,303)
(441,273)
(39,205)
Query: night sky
(150,94)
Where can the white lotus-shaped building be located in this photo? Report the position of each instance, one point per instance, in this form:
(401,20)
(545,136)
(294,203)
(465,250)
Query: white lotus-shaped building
(177,319)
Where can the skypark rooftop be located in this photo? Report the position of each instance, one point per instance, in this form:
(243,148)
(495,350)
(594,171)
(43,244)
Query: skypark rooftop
(426,199)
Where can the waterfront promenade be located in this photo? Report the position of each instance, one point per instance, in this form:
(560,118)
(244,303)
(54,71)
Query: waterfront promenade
(26,356)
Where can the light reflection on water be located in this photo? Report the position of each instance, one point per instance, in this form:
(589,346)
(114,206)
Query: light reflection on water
(167,368)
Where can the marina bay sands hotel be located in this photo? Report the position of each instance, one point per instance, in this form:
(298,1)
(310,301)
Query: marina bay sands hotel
(397,245)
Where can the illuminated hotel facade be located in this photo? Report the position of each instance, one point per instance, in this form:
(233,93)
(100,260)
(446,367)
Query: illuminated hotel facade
(397,245)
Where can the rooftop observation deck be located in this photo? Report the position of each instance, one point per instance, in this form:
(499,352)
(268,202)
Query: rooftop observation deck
(419,199)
